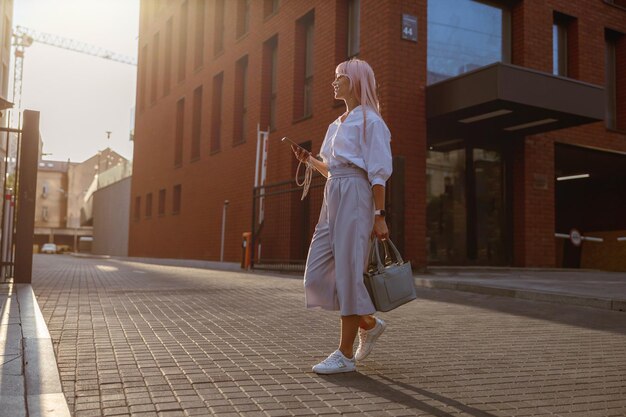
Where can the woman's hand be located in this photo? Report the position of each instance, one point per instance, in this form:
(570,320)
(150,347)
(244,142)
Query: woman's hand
(302,155)
(380,229)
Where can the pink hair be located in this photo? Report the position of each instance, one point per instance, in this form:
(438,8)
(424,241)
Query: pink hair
(363,83)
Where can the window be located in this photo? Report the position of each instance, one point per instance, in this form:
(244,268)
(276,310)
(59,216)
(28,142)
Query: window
(44,214)
(615,89)
(199,44)
(149,205)
(182,43)
(465,207)
(617,3)
(354,27)
(216,115)
(269,83)
(464,35)
(241,100)
(273,83)
(177,197)
(196,124)
(7,32)
(137,208)
(270,7)
(45,190)
(162,202)
(218,38)
(304,70)
(243,17)
(142,77)
(560,44)
(5,77)
(155,67)
(167,70)
(180,129)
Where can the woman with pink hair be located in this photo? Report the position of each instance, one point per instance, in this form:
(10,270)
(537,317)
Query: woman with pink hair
(356,160)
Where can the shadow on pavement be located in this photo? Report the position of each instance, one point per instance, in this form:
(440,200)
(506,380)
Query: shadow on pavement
(579,316)
(358,381)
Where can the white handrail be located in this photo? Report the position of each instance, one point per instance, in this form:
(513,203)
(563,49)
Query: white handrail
(588,238)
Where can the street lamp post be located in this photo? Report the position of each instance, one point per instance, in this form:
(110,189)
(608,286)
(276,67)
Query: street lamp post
(226,202)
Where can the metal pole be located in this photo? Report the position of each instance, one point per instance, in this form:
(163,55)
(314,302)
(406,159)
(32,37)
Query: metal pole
(26,193)
(223,229)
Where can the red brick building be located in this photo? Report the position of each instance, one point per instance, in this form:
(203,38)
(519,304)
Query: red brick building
(493,107)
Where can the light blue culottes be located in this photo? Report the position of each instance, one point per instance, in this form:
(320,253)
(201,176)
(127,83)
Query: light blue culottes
(333,278)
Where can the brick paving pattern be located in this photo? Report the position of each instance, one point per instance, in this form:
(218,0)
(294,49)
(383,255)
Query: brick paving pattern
(145,340)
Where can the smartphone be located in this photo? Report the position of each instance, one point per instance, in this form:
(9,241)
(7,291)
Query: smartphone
(286,139)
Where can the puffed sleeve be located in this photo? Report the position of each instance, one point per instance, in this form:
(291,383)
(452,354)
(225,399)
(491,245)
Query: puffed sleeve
(377,152)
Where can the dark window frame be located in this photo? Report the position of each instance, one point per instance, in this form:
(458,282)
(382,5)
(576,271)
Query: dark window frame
(241,100)
(154,87)
(148,207)
(167,69)
(217,113)
(177,197)
(162,201)
(179,133)
(354,29)
(137,213)
(182,41)
(199,34)
(218,24)
(196,124)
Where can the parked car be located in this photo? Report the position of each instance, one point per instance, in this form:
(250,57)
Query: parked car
(63,248)
(49,248)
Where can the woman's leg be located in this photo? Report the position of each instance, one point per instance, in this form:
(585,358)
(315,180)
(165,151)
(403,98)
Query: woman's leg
(367,322)
(349,328)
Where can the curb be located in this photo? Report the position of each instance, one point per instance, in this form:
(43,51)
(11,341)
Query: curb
(523,294)
(43,390)
(185,263)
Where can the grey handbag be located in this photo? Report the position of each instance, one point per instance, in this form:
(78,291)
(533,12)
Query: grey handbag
(389,285)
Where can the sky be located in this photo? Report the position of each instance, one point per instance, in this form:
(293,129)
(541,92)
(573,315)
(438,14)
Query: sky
(80,96)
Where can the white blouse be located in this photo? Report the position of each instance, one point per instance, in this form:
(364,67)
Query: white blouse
(344,144)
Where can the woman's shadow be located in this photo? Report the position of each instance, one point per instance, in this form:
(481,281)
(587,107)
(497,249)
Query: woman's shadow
(399,395)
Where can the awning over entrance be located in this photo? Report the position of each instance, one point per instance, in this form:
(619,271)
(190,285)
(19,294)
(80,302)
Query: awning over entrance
(503,99)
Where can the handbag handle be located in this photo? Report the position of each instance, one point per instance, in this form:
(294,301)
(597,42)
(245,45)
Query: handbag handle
(374,252)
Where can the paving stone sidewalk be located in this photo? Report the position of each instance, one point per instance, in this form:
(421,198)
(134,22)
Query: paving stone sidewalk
(136,339)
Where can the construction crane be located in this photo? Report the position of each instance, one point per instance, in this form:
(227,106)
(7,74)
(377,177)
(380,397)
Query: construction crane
(24,37)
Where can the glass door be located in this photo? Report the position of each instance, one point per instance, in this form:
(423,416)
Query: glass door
(466,220)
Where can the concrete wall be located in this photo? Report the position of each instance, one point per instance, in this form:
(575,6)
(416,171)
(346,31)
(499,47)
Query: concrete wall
(111,207)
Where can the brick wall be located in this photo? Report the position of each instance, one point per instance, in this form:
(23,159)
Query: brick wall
(533,164)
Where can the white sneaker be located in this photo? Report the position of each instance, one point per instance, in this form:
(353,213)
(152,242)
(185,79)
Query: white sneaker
(335,363)
(367,338)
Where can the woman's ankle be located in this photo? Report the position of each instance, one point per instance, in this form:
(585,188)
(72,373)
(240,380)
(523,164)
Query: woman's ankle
(347,353)
(367,322)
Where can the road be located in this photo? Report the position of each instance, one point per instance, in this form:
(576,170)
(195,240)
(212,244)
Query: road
(135,339)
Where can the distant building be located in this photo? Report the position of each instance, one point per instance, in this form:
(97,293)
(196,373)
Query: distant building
(105,167)
(64,205)
(111,214)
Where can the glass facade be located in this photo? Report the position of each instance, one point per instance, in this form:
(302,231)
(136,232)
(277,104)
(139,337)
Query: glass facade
(490,216)
(465,212)
(446,215)
(464,35)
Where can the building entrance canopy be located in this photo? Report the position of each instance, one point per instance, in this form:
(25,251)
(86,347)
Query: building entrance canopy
(503,99)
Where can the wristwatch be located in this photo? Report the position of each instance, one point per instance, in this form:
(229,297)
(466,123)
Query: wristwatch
(381,213)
